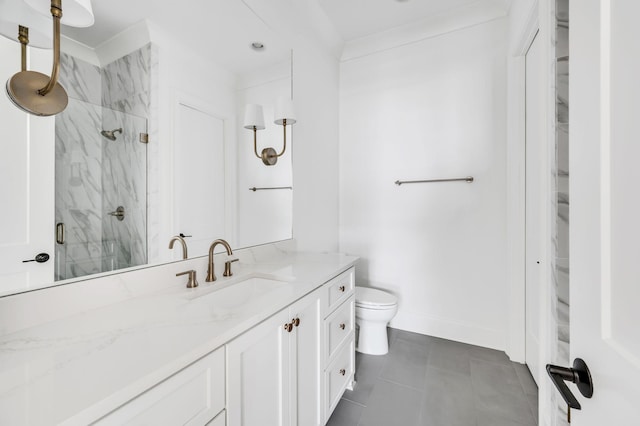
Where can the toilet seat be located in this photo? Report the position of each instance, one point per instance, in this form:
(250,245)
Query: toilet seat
(370,298)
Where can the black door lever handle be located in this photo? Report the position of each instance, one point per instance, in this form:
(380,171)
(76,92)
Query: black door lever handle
(579,375)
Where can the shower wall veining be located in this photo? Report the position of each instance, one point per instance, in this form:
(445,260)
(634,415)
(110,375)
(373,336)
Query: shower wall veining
(561,176)
(95,175)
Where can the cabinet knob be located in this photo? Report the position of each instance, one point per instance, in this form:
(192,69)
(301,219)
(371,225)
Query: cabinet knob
(288,327)
(343,371)
(296,321)
(341,288)
(342,326)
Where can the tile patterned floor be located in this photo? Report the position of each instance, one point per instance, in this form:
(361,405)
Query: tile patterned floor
(426,381)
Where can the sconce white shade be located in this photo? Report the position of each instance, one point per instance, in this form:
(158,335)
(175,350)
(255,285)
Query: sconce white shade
(75,13)
(253,117)
(284,111)
(15,13)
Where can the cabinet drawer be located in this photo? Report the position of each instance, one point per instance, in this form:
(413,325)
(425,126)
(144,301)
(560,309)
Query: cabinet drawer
(192,396)
(340,288)
(338,327)
(337,376)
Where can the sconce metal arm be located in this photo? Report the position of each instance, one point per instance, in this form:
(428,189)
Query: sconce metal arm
(284,146)
(255,141)
(56,14)
(23,38)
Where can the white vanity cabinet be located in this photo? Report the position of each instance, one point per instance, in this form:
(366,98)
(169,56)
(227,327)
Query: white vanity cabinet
(286,375)
(338,340)
(193,396)
(274,369)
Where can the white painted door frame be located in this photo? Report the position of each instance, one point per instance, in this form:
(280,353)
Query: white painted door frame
(541,20)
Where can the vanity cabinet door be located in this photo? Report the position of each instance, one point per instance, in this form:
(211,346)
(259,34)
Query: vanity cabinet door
(274,369)
(192,396)
(305,350)
(258,380)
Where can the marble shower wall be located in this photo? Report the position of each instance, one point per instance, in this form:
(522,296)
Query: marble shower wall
(95,175)
(78,170)
(562,192)
(126,97)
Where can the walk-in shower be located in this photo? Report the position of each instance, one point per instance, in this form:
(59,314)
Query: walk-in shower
(96,182)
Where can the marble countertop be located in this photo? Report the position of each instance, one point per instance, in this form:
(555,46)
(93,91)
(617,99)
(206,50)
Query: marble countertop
(76,369)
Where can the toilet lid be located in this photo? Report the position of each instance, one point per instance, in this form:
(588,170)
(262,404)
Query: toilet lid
(366,296)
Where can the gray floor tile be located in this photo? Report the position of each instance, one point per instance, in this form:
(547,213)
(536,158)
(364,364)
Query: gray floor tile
(392,404)
(415,338)
(392,334)
(368,369)
(419,382)
(450,357)
(487,354)
(490,419)
(406,364)
(448,400)
(506,406)
(346,414)
(491,376)
(498,393)
(533,405)
(527,382)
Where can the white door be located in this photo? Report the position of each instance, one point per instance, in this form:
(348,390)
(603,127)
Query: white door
(199,171)
(534,145)
(26,183)
(305,389)
(605,207)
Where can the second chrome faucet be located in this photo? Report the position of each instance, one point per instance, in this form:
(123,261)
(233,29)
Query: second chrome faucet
(211,276)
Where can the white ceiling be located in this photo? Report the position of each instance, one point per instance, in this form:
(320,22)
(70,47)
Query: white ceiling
(226,28)
(359,18)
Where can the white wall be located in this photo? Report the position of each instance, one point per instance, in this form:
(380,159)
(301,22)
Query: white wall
(315,147)
(274,221)
(194,79)
(430,109)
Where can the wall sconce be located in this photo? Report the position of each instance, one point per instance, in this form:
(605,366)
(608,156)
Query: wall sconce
(284,114)
(254,120)
(34,92)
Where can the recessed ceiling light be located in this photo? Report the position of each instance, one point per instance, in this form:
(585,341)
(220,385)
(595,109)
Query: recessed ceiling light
(257,46)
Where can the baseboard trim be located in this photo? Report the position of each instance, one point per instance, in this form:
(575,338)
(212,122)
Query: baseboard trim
(445,329)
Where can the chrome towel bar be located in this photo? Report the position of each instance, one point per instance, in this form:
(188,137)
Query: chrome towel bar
(468,179)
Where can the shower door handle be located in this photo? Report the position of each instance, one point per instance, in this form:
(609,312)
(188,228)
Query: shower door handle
(60,233)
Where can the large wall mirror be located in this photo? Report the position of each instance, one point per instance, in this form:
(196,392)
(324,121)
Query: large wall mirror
(152,144)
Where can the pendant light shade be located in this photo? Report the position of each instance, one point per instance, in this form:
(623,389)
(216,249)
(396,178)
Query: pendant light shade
(76,13)
(16,13)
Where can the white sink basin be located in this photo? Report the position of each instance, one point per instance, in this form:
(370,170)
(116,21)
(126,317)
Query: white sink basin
(243,295)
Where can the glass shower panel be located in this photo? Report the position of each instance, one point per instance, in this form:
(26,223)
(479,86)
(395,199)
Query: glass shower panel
(101,190)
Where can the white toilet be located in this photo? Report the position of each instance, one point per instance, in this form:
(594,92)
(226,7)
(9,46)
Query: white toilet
(374,310)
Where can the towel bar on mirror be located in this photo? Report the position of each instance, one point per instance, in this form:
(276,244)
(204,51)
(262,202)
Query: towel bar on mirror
(254,189)
(467,179)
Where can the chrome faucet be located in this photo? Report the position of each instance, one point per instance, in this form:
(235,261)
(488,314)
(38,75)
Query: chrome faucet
(211,276)
(182,241)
